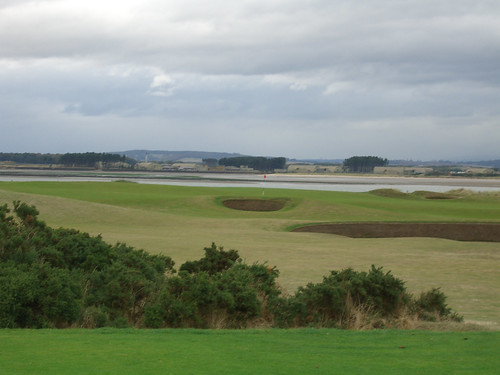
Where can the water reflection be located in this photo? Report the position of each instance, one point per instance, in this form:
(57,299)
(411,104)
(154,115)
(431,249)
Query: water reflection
(324,183)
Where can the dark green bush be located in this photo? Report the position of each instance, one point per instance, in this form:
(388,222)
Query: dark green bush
(330,302)
(37,296)
(215,260)
(231,297)
(431,306)
(61,277)
(17,294)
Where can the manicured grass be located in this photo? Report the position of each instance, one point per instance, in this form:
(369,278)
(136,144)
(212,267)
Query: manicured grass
(180,221)
(307,205)
(305,351)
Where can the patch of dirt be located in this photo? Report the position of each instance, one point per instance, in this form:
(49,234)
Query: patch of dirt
(453,231)
(255,204)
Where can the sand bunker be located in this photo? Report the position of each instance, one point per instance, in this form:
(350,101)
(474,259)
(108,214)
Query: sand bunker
(255,204)
(452,231)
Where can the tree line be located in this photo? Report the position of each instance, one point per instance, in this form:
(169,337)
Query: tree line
(90,159)
(30,158)
(87,159)
(259,163)
(363,164)
(67,278)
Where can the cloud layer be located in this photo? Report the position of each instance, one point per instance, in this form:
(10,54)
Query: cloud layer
(308,79)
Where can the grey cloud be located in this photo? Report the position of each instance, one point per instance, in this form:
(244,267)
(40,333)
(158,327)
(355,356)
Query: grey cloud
(303,71)
(223,37)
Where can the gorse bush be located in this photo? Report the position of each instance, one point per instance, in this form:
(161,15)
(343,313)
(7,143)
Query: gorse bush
(37,296)
(431,306)
(66,278)
(330,302)
(62,277)
(217,290)
(215,260)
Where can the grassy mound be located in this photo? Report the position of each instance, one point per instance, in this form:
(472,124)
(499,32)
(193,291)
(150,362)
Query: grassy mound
(389,193)
(422,194)
(434,195)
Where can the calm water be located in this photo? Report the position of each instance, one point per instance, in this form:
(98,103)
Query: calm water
(275,181)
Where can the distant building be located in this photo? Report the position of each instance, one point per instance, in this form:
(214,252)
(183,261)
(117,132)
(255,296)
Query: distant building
(313,168)
(191,160)
(185,167)
(301,168)
(480,171)
(241,168)
(148,166)
(402,171)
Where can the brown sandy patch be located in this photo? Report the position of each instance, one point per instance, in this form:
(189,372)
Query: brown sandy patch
(453,231)
(255,204)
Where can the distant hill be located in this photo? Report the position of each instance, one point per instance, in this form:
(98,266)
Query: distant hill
(190,156)
(486,163)
(156,155)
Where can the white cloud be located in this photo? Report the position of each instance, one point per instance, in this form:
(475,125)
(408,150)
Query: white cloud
(336,87)
(162,85)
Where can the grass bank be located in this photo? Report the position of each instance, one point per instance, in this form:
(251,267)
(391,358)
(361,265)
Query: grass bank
(304,351)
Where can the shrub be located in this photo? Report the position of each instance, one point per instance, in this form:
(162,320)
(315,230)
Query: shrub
(431,306)
(61,277)
(37,296)
(341,294)
(215,260)
(229,296)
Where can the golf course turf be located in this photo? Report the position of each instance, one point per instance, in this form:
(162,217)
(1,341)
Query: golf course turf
(303,351)
(452,231)
(180,221)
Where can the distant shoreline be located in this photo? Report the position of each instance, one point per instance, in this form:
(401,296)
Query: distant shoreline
(330,182)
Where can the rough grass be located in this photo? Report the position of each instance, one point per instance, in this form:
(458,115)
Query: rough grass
(304,351)
(181,221)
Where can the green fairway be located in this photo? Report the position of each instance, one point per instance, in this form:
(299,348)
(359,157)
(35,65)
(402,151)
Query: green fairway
(181,221)
(305,351)
(307,204)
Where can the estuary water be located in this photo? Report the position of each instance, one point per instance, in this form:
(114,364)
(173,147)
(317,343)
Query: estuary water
(272,181)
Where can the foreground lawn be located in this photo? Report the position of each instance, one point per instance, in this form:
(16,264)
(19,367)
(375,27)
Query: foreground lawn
(181,221)
(305,351)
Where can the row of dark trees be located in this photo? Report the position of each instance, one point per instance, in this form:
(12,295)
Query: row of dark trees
(30,158)
(65,278)
(355,164)
(259,163)
(87,159)
(90,159)
(363,164)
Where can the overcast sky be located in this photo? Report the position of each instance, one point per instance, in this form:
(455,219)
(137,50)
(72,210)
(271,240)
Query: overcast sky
(414,79)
